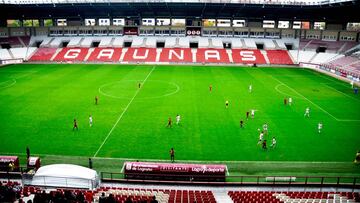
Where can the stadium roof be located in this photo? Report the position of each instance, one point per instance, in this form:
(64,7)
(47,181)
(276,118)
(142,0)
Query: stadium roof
(330,13)
(274,2)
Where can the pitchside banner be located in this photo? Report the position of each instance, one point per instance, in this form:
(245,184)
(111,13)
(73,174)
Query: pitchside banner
(166,171)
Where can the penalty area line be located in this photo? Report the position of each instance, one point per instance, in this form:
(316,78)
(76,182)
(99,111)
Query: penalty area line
(122,114)
(306,98)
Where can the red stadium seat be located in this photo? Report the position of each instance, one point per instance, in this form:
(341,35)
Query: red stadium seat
(279,57)
(71,54)
(244,56)
(43,54)
(105,54)
(212,56)
(140,55)
(176,55)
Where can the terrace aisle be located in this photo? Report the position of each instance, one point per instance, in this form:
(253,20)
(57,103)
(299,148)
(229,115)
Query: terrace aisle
(222,196)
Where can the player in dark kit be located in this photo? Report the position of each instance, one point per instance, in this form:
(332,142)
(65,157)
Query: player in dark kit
(247,115)
(285,101)
(172,155)
(241,123)
(139,85)
(27,152)
(96,100)
(169,122)
(210,88)
(75,125)
(264,145)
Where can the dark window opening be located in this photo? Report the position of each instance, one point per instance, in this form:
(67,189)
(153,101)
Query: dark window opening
(38,43)
(289,46)
(5,46)
(194,45)
(64,44)
(127,44)
(321,50)
(227,45)
(160,44)
(260,46)
(95,44)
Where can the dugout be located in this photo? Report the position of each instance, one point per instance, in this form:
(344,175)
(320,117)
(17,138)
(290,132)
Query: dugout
(34,163)
(6,160)
(177,172)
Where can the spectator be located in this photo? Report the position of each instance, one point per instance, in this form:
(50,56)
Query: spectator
(102,198)
(153,200)
(111,199)
(80,197)
(128,200)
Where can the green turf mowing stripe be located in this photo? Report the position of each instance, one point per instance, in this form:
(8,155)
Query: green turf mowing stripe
(121,115)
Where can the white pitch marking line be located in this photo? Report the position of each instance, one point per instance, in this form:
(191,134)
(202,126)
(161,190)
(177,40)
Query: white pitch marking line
(121,115)
(185,161)
(340,92)
(13,83)
(332,80)
(306,99)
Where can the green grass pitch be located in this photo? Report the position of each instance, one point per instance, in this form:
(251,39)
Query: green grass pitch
(39,102)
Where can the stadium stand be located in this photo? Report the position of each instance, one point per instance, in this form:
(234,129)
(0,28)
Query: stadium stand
(249,43)
(140,55)
(343,61)
(138,42)
(170,42)
(212,56)
(118,42)
(302,56)
(150,42)
(22,53)
(268,43)
(279,57)
(121,194)
(237,43)
(184,42)
(106,41)
(216,43)
(331,46)
(320,58)
(10,191)
(176,55)
(57,41)
(15,42)
(203,42)
(105,54)
(248,56)
(71,54)
(87,41)
(292,197)
(74,42)
(4,54)
(43,54)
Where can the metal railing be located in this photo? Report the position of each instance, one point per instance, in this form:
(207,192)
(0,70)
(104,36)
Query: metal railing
(320,181)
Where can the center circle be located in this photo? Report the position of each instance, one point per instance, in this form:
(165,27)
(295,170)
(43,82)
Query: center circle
(126,89)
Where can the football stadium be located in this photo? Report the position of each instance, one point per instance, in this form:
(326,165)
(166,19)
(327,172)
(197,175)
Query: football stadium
(227,101)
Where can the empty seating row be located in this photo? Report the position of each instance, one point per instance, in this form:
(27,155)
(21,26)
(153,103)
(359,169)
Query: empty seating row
(162,195)
(164,55)
(15,42)
(331,46)
(151,42)
(296,196)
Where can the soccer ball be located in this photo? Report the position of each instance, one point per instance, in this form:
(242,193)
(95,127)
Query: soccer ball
(259,129)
